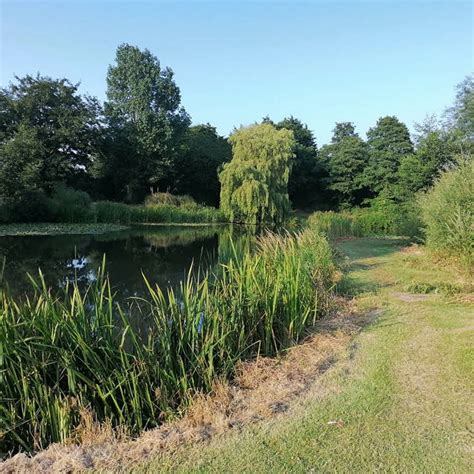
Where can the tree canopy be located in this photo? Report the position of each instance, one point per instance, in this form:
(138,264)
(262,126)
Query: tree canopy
(203,153)
(146,123)
(346,159)
(387,143)
(254,184)
(48,134)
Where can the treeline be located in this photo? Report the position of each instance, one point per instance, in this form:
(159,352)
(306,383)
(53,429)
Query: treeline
(58,146)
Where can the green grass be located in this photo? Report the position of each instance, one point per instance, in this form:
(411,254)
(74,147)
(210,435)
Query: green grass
(62,355)
(403,391)
(57,229)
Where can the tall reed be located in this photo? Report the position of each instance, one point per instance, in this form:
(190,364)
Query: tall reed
(61,355)
(335,224)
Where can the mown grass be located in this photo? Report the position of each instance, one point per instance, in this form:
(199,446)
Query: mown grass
(61,357)
(399,400)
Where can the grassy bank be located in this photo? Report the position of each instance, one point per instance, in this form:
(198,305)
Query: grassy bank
(399,400)
(63,359)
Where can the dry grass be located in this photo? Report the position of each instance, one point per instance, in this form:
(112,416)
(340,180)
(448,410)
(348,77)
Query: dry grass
(262,388)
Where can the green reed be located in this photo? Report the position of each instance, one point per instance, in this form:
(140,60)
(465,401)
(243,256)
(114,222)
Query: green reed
(63,354)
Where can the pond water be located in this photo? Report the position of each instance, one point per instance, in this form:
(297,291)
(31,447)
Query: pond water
(163,254)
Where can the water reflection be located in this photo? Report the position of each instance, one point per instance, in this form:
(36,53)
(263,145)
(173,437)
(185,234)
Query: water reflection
(163,254)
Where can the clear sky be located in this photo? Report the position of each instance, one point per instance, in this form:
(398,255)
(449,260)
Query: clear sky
(237,61)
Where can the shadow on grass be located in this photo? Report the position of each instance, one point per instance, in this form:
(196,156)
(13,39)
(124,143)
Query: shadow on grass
(370,247)
(354,252)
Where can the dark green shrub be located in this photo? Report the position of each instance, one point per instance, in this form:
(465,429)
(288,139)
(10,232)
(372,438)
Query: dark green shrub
(69,205)
(30,206)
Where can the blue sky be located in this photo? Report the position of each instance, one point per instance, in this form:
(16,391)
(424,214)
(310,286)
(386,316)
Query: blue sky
(236,62)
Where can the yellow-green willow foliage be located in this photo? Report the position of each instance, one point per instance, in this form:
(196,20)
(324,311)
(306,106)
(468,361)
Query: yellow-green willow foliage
(254,184)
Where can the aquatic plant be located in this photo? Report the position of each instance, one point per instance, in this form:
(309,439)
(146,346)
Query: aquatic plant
(62,356)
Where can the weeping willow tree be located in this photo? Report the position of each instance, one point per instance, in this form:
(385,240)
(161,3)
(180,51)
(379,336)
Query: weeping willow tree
(254,184)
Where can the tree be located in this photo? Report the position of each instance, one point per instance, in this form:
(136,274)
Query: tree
(436,150)
(343,130)
(387,142)
(204,151)
(254,184)
(345,159)
(48,134)
(304,182)
(461,114)
(146,123)
(21,162)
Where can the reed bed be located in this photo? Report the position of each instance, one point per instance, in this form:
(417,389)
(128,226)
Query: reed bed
(394,220)
(78,353)
(335,224)
(119,213)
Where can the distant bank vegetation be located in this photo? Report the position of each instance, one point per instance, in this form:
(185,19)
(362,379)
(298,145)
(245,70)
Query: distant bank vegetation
(61,151)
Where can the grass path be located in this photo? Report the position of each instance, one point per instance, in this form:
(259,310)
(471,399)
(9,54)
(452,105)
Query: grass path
(400,400)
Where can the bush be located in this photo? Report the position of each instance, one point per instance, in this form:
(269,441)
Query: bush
(386,217)
(383,217)
(29,206)
(168,199)
(448,214)
(69,205)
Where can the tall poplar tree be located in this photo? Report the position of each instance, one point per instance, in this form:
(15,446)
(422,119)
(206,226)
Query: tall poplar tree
(146,123)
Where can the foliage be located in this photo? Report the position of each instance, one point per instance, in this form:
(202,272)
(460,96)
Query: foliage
(62,356)
(48,134)
(346,159)
(203,153)
(119,213)
(448,212)
(335,224)
(69,205)
(145,123)
(21,162)
(168,199)
(461,114)
(383,217)
(29,206)
(388,142)
(386,216)
(306,170)
(255,182)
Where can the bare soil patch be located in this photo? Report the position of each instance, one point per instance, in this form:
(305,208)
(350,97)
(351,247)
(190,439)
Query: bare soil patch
(411,297)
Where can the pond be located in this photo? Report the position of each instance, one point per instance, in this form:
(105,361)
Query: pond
(163,254)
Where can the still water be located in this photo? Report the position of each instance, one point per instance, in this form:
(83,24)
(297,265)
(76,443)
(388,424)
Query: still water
(163,254)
